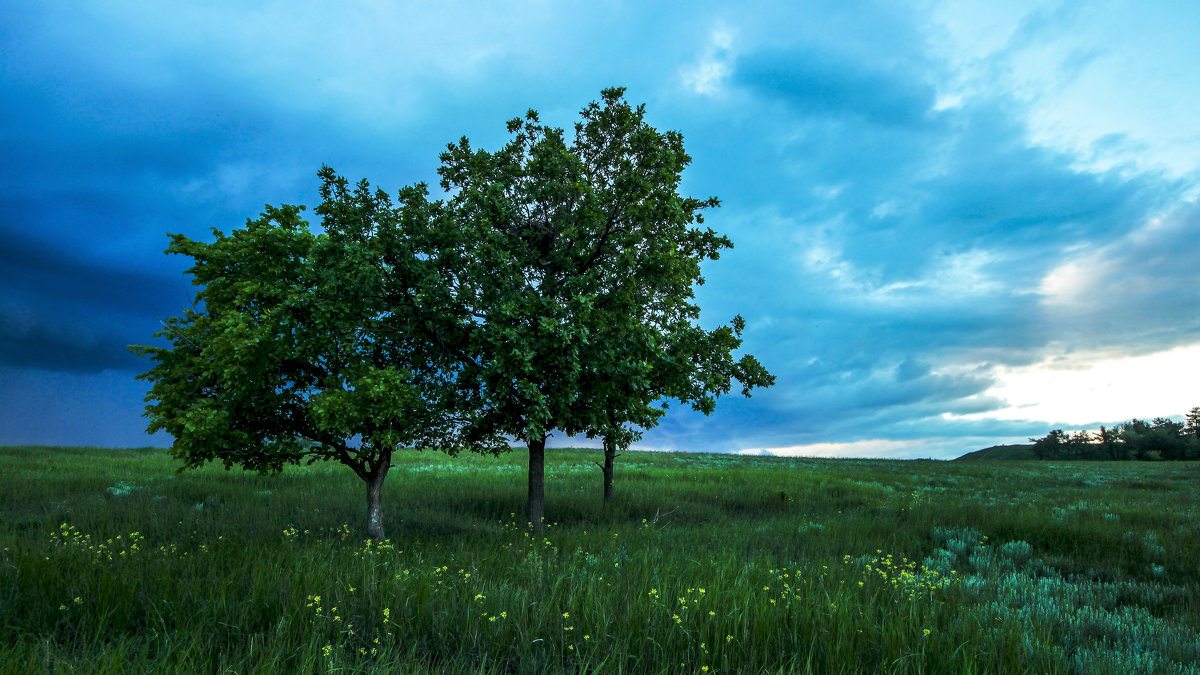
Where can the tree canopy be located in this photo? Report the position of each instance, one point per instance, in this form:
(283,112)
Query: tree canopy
(552,289)
(1159,439)
(291,352)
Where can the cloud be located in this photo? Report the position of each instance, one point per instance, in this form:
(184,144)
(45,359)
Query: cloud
(918,448)
(43,274)
(1094,387)
(822,83)
(708,75)
(59,311)
(1138,289)
(935,243)
(33,344)
(1083,72)
(907,228)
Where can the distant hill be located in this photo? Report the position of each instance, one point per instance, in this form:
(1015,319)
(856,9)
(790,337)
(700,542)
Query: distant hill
(1001,452)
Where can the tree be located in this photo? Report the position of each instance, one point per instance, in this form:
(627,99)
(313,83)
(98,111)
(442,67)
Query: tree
(1160,438)
(1050,446)
(291,353)
(1192,420)
(1110,443)
(1080,446)
(1169,439)
(617,437)
(1191,432)
(577,261)
(697,368)
(1140,439)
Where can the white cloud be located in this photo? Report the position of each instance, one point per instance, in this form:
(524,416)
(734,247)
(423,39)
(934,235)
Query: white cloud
(708,75)
(1139,272)
(1098,386)
(822,255)
(948,101)
(1083,72)
(1068,285)
(938,448)
(947,279)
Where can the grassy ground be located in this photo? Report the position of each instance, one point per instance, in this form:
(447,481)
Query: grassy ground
(110,563)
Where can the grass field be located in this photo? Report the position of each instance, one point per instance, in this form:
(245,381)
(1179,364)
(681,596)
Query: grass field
(705,563)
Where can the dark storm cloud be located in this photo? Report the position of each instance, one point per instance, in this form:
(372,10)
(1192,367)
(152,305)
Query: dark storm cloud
(71,348)
(59,311)
(33,271)
(102,160)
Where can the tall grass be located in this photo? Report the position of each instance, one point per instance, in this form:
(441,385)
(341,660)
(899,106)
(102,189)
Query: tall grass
(705,563)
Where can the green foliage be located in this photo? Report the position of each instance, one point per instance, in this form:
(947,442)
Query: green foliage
(1161,438)
(580,258)
(219,356)
(1060,445)
(556,281)
(897,567)
(1192,420)
(291,352)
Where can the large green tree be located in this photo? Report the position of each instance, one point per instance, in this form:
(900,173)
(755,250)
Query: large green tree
(292,353)
(578,261)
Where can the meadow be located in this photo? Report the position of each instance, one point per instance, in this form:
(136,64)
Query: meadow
(109,562)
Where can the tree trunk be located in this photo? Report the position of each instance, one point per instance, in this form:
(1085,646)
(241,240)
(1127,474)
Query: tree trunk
(610,457)
(535,507)
(375,478)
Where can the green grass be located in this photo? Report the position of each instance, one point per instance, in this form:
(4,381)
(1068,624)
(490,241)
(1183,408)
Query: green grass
(111,563)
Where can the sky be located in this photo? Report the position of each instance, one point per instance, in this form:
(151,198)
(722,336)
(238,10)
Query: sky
(956,224)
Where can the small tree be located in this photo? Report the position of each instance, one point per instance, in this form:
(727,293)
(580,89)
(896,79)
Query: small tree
(696,369)
(616,438)
(292,354)
(1191,434)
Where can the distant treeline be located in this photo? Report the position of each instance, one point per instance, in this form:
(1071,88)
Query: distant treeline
(1160,438)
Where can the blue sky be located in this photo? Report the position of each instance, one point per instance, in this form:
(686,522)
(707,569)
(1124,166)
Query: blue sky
(955,224)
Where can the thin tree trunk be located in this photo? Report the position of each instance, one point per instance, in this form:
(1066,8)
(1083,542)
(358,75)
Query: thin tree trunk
(375,480)
(535,507)
(610,456)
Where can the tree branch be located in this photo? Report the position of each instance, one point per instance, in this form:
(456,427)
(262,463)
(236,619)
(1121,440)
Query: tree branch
(608,229)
